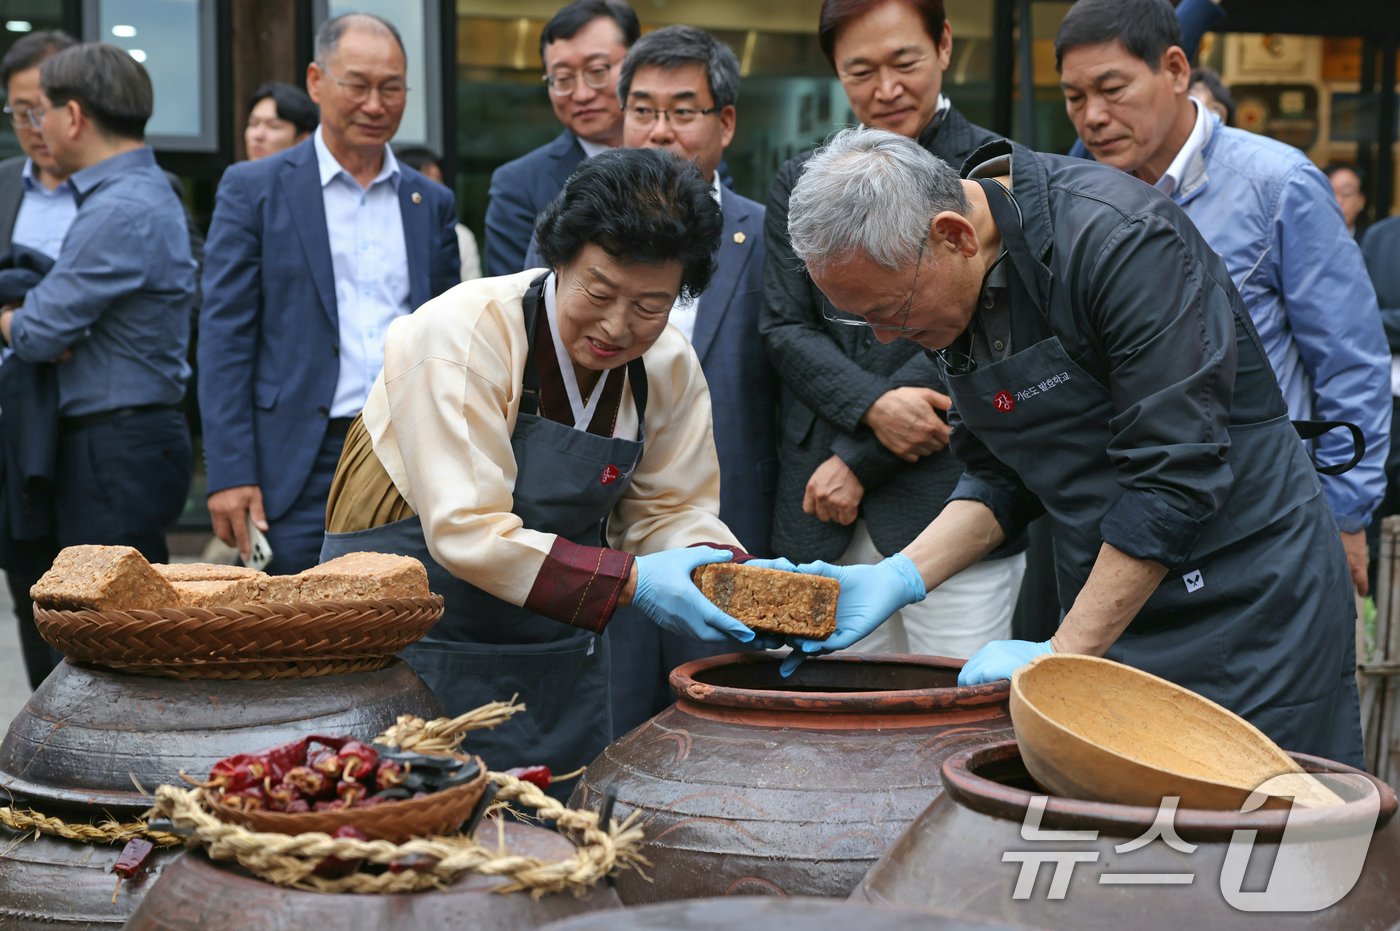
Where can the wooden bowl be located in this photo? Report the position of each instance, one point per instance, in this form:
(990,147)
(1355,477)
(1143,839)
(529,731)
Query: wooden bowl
(439,813)
(1094,729)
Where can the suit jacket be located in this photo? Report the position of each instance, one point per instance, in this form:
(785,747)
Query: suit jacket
(519,191)
(269,331)
(12,195)
(831,374)
(743,384)
(1381,247)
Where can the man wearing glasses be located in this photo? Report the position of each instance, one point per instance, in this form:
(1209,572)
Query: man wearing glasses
(314,251)
(1103,370)
(582,48)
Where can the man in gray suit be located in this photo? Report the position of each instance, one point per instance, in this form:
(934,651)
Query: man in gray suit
(37,207)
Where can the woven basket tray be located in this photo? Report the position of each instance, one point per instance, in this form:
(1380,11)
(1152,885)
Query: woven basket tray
(244,642)
(437,814)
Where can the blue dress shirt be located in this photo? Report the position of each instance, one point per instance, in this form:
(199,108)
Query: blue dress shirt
(44,216)
(370,262)
(119,294)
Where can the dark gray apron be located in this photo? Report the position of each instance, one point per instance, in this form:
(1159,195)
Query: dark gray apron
(485,649)
(1260,616)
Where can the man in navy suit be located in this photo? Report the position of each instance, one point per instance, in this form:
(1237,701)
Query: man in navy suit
(313,252)
(678,86)
(582,48)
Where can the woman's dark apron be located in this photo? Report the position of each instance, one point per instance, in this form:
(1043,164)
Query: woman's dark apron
(1260,617)
(485,649)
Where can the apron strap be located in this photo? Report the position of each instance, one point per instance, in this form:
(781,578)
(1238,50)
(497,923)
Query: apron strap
(530,384)
(1033,274)
(1312,429)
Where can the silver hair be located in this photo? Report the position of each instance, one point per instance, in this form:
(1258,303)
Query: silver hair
(328,36)
(872,192)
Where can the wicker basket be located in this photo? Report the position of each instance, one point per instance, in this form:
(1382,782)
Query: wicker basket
(244,642)
(437,814)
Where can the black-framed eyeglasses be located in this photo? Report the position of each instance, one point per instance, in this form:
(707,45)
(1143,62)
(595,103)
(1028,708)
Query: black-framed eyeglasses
(676,116)
(391,93)
(899,327)
(563,83)
(955,361)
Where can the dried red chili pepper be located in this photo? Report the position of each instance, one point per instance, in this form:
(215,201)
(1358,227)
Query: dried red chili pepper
(358,760)
(309,782)
(326,762)
(249,799)
(334,867)
(335,743)
(133,856)
(241,770)
(539,775)
(350,792)
(297,807)
(370,802)
(389,775)
(281,795)
(334,805)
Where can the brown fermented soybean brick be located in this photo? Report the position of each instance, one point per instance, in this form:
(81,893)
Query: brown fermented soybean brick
(103,578)
(203,572)
(364,577)
(205,593)
(771,600)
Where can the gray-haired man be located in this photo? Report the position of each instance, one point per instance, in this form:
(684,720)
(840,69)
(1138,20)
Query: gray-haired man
(1131,401)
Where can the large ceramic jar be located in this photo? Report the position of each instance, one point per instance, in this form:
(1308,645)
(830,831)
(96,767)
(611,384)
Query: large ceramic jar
(194,894)
(754,784)
(981,849)
(772,914)
(87,737)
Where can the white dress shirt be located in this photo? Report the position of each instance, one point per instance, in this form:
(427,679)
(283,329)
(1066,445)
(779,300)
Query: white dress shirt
(685,311)
(44,216)
(1171,180)
(370,262)
(591,149)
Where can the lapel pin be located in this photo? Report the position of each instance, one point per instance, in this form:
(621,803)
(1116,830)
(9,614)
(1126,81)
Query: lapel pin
(739,238)
(417,198)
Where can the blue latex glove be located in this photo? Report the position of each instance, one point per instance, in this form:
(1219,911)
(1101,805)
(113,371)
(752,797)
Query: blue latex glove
(869,595)
(666,594)
(999,659)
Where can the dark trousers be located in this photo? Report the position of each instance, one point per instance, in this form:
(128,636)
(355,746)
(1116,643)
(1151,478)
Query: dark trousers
(27,561)
(297,535)
(1390,504)
(124,481)
(641,657)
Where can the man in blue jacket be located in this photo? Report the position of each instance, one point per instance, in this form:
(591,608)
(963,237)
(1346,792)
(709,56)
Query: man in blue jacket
(1270,214)
(582,48)
(313,252)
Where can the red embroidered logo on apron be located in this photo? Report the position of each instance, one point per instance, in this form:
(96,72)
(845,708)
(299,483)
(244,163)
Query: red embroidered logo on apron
(1003,402)
(610,475)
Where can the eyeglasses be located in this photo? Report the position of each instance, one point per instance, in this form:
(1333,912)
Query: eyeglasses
(563,83)
(900,327)
(36,116)
(19,117)
(676,116)
(391,93)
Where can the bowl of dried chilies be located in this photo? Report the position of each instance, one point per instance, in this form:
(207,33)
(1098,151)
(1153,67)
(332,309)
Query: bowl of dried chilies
(323,783)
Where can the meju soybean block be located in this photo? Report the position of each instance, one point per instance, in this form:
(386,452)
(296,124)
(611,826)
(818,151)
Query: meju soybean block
(771,600)
(365,577)
(203,572)
(103,578)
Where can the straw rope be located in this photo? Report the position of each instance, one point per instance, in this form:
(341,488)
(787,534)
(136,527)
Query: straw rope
(105,832)
(289,860)
(443,735)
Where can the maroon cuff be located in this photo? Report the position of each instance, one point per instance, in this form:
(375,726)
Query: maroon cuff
(739,554)
(579,585)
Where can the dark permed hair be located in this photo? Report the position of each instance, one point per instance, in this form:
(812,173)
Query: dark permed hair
(31,51)
(574,16)
(1147,28)
(293,105)
(640,205)
(113,88)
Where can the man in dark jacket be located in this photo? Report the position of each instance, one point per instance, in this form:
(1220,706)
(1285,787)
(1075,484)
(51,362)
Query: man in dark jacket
(1108,376)
(1381,248)
(864,464)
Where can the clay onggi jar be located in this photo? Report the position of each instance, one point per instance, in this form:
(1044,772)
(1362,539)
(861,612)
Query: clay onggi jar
(954,857)
(752,784)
